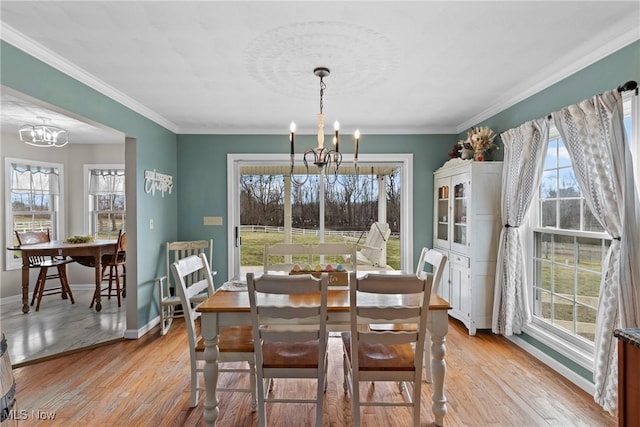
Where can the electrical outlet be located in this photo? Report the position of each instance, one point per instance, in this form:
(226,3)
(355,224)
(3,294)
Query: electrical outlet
(151,224)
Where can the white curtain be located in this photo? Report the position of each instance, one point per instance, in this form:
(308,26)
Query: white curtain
(107,182)
(593,132)
(525,148)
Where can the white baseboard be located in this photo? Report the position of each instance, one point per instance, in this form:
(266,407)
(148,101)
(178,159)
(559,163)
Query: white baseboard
(576,379)
(134,334)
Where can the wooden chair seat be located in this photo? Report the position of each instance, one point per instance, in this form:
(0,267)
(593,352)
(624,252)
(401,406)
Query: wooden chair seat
(381,357)
(236,339)
(290,355)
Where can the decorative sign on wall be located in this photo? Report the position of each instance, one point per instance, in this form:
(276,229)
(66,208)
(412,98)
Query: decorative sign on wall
(157,181)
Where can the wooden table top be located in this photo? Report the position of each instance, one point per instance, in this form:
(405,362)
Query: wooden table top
(59,244)
(337,301)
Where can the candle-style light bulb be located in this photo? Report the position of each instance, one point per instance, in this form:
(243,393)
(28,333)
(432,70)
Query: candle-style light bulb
(292,135)
(357,136)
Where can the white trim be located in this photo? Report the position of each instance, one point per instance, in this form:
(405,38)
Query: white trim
(10,263)
(134,334)
(570,375)
(235,160)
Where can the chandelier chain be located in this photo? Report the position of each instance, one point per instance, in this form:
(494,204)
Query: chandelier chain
(323,86)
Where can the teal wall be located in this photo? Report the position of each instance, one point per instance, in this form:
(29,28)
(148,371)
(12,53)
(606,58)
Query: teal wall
(155,148)
(202,187)
(604,75)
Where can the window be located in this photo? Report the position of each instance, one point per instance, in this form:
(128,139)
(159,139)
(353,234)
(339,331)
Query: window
(569,249)
(106,200)
(35,190)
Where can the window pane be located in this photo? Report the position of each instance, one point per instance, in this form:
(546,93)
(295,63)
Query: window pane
(588,287)
(549,185)
(544,306)
(586,322)
(567,183)
(563,250)
(569,214)
(590,253)
(563,312)
(548,213)
(564,280)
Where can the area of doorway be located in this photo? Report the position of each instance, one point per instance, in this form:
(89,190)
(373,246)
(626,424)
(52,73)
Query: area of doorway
(266,207)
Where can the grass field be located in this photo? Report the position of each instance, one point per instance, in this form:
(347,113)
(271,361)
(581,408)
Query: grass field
(252,251)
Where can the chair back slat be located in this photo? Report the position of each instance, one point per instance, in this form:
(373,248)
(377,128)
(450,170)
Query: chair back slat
(32,238)
(178,250)
(282,256)
(183,269)
(436,262)
(276,317)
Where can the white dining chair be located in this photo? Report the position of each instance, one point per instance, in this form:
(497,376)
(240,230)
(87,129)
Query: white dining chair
(235,343)
(289,319)
(389,355)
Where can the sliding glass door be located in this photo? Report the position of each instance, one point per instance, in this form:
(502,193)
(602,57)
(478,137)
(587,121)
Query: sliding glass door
(269,207)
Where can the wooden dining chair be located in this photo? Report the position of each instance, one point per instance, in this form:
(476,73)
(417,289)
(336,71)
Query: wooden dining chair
(289,319)
(44,263)
(235,344)
(388,355)
(170,306)
(113,268)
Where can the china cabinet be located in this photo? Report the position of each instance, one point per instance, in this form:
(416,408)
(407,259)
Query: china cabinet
(466,229)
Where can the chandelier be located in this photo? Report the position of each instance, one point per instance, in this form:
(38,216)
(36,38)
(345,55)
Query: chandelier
(322,157)
(43,135)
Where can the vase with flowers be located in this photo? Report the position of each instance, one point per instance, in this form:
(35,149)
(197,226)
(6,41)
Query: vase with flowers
(481,140)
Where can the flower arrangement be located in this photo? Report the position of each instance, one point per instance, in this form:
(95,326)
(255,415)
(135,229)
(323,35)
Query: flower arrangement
(481,139)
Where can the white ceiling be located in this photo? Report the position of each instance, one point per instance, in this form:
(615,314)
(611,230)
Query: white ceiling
(215,67)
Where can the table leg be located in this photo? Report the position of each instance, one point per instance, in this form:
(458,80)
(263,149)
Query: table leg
(440,327)
(210,335)
(25,285)
(98,263)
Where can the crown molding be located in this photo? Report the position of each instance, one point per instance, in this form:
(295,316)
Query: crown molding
(577,61)
(310,132)
(31,47)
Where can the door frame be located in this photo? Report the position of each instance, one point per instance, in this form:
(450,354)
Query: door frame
(236,160)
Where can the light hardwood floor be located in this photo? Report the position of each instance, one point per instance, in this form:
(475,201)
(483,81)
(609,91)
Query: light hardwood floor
(59,326)
(145,382)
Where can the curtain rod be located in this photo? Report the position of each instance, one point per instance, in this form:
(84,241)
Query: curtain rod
(630,85)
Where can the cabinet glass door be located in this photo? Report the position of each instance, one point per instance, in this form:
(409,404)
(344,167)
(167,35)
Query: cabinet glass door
(461,194)
(442,208)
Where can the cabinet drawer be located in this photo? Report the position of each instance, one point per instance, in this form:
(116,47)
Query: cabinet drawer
(460,260)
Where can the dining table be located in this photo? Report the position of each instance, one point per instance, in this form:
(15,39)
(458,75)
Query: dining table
(229,306)
(95,249)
